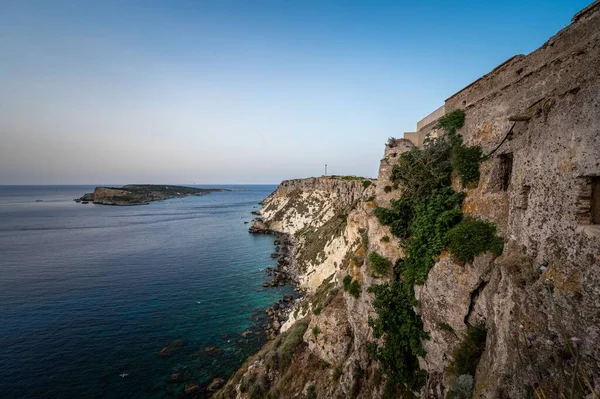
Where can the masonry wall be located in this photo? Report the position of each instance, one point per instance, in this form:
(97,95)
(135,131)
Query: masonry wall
(545,290)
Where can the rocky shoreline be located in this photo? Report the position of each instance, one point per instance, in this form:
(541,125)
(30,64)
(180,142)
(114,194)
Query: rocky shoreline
(282,274)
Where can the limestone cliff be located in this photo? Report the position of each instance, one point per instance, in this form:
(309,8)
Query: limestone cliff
(536,122)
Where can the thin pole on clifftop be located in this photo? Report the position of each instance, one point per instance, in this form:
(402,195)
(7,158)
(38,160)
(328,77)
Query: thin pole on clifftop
(325,169)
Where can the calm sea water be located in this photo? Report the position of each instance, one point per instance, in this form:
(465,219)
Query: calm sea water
(90,294)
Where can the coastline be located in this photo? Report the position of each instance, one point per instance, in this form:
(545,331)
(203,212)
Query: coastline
(284,273)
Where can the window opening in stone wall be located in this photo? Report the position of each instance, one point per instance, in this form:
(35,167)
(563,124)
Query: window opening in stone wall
(506,165)
(595,203)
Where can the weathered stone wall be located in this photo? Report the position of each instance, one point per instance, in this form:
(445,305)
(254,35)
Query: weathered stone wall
(544,290)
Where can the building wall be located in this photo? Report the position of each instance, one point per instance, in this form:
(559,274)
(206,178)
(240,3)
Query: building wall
(545,289)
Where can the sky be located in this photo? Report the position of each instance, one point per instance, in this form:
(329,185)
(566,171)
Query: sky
(223,91)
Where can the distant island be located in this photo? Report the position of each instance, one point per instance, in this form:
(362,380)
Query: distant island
(141,194)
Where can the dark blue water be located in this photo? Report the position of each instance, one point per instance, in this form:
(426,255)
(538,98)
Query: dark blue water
(90,294)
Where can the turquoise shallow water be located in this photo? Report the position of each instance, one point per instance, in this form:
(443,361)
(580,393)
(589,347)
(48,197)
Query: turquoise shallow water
(90,294)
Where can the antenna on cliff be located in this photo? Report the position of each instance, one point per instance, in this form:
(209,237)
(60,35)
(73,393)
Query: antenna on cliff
(325,169)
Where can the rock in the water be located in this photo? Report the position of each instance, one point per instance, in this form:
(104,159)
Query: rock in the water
(258,227)
(212,349)
(191,387)
(175,378)
(216,384)
(172,348)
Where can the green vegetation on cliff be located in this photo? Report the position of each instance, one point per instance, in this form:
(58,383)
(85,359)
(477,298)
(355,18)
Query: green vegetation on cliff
(352,287)
(379,264)
(427,218)
(472,237)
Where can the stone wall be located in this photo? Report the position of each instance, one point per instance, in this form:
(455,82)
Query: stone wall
(544,290)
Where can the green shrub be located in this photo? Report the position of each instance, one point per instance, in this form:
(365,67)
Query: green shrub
(317,311)
(472,237)
(385,239)
(401,330)
(422,170)
(346,282)
(466,355)
(432,219)
(366,183)
(398,217)
(354,289)
(316,331)
(452,121)
(465,162)
(387,189)
(379,264)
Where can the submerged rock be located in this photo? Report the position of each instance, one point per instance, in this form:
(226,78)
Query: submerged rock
(216,384)
(191,387)
(213,349)
(172,348)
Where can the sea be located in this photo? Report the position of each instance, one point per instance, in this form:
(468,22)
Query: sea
(91,295)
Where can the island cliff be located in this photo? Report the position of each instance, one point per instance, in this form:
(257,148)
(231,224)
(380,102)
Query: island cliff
(141,194)
(471,267)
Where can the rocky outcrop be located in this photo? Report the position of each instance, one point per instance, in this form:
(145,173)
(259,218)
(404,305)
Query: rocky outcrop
(141,194)
(314,212)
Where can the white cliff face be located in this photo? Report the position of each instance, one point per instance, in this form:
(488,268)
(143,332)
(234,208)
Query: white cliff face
(315,213)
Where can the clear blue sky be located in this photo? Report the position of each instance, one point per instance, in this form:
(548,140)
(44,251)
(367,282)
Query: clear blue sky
(220,91)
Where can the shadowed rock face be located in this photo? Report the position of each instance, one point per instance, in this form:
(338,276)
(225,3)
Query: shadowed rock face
(141,194)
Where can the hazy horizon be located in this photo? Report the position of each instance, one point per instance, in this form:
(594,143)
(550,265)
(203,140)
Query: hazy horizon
(233,92)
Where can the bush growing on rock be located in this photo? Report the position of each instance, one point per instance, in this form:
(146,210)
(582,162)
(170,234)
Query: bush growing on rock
(401,330)
(472,237)
(352,287)
(465,161)
(465,356)
(451,121)
(379,264)
(346,282)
